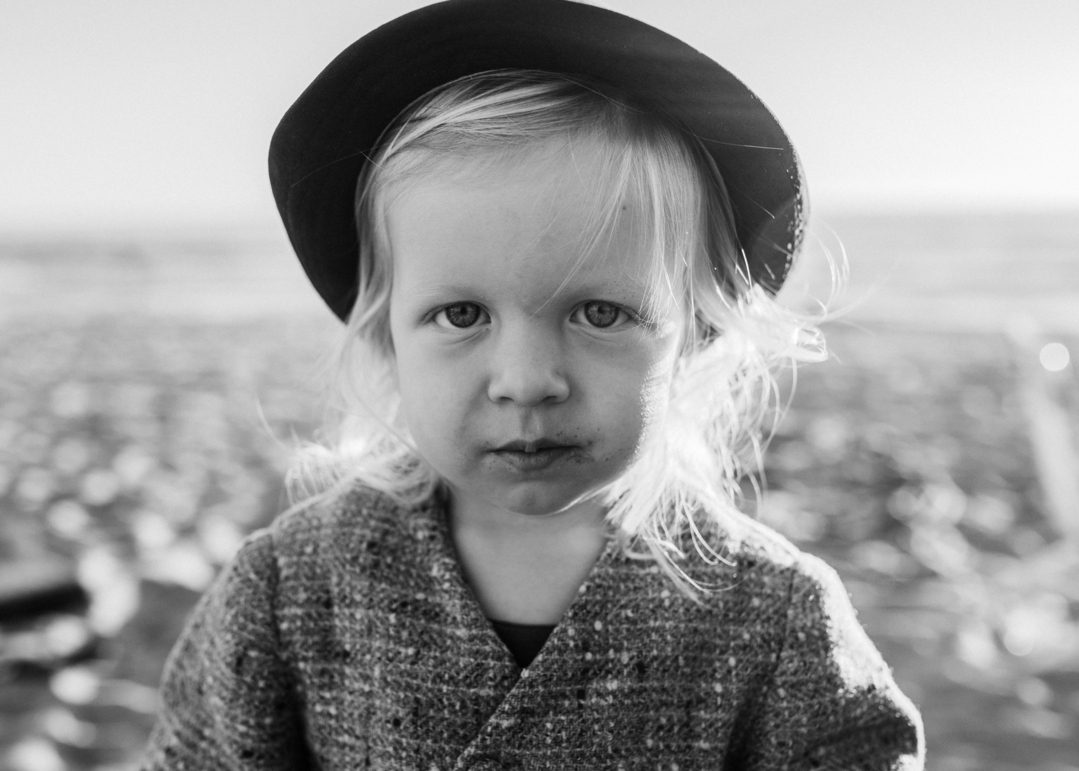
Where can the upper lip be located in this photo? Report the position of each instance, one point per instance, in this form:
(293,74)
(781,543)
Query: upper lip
(533,445)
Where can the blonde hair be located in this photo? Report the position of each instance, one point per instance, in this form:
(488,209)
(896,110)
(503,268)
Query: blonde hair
(686,479)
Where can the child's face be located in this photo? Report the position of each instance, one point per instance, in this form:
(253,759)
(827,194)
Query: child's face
(526,382)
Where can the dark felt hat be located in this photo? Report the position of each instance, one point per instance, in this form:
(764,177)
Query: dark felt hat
(326,137)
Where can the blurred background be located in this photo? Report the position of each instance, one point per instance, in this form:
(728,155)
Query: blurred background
(158,344)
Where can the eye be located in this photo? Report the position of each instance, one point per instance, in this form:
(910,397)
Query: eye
(459,315)
(601,315)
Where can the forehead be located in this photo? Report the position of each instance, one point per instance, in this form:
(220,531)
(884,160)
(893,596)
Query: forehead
(552,216)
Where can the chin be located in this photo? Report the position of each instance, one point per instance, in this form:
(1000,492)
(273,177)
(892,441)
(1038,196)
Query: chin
(541,503)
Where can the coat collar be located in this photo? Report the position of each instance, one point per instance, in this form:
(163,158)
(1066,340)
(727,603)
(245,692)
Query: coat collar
(423,661)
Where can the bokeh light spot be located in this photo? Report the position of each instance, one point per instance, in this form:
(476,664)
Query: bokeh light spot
(1054,357)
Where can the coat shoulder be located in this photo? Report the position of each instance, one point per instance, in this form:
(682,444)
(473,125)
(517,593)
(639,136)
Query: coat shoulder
(765,567)
(756,559)
(359,513)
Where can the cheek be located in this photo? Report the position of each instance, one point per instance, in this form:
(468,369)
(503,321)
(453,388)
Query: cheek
(434,407)
(411,378)
(655,399)
(637,396)
(419,398)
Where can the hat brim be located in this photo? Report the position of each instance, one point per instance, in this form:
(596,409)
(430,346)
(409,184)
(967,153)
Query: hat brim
(326,137)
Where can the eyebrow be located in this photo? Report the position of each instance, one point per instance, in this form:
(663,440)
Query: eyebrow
(431,289)
(604,288)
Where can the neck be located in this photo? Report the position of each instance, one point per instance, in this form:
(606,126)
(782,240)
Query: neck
(474,515)
(526,568)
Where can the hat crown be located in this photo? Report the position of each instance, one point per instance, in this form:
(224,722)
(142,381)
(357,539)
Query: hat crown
(324,140)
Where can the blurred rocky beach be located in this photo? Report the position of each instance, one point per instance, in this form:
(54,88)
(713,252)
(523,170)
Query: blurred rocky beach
(153,386)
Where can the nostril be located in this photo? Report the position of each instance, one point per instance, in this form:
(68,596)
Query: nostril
(528,394)
(528,387)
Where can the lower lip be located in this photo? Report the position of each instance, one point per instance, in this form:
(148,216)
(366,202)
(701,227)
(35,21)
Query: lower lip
(533,461)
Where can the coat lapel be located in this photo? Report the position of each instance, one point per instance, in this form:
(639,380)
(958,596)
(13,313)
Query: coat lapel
(560,681)
(428,668)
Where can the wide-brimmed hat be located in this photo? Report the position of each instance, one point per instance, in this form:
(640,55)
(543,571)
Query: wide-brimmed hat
(323,141)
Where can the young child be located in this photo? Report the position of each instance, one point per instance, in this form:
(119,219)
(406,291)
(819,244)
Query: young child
(555,234)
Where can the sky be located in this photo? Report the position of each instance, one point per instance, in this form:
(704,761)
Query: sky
(138,113)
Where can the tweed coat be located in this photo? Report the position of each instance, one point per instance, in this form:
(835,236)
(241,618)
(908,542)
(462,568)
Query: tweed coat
(346,638)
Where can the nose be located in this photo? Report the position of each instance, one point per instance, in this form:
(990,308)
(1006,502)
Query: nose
(527,369)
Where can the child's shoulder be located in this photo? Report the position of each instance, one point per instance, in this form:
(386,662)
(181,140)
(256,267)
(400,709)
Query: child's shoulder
(767,568)
(355,506)
(346,521)
(763,549)
(776,584)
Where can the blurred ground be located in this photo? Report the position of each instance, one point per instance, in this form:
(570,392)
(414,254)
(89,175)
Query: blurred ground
(149,395)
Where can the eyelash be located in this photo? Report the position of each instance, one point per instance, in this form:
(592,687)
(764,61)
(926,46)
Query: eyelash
(582,311)
(443,313)
(441,316)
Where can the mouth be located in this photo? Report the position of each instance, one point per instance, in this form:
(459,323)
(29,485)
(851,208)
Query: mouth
(533,446)
(535,455)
